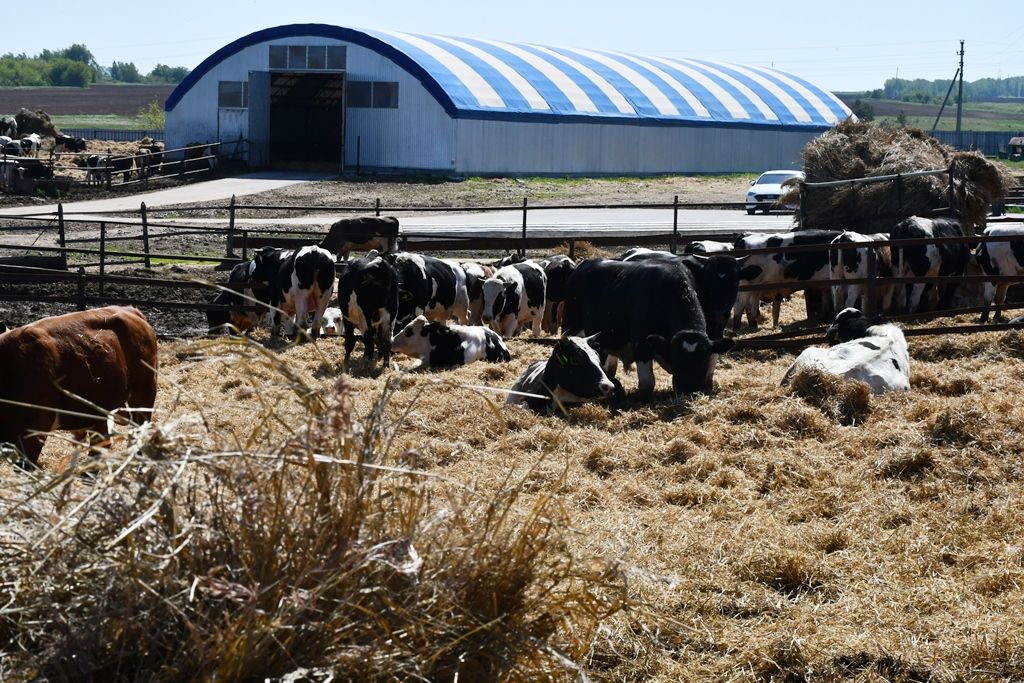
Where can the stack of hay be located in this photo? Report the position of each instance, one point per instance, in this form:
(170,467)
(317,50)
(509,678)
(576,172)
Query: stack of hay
(860,150)
(35,122)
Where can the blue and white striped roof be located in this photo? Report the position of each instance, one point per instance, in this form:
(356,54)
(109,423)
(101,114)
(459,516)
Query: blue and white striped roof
(476,78)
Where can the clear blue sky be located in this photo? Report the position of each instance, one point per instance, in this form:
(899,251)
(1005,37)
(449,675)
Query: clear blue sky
(839,45)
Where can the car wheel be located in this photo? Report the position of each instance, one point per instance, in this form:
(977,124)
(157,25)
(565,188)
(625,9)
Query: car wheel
(751,212)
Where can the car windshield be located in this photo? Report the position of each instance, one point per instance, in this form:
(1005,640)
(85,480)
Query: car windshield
(775,178)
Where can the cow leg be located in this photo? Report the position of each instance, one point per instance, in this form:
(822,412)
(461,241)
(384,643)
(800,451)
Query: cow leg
(318,314)
(915,297)
(645,377)
(350,337)
(1001,291)
(737,311)
(535,326)
(776,309)
(611,366)
(988,294)
(28,449)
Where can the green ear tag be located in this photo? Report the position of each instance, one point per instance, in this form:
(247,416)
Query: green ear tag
(564,360)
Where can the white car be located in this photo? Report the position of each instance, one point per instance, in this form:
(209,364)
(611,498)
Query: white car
(766,190)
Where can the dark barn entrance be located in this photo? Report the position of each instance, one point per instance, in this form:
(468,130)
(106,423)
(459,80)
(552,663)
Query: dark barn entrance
(307,117)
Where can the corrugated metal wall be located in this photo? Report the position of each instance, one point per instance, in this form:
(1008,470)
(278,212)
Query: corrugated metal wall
(495,147)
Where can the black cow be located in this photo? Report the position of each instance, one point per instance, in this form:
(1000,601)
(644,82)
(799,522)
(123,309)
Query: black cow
(368,297)
(298,282)
(476,275)
(508,260)
(930,260)
(366,233)
(571,374)
(557,269)
(11,148)
(429,286)
(70,143)
(8,126)
(645,311)
(444,346)
(35,169)
(222,321)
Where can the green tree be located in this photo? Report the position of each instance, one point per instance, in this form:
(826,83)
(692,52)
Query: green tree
(70,73)
(901,119)
(162,73)
(125,72)
(153,116)
(862,110)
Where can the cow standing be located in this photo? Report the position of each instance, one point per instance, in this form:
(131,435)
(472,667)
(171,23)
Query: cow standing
(928,261)
(429,286)
(557,269)
(645,311)
(1000,258)
(67,371)
(8,127)
(298,282)
(366,233)
(853,264)
(515,297)
(476,274)
(368,297)
(221,321)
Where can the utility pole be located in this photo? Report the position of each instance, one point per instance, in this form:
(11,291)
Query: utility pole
(960,93)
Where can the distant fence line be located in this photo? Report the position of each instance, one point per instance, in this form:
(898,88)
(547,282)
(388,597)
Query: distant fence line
(989,143)
(113,134)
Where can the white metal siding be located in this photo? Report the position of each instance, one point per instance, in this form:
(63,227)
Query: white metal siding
(496,147)
(417,135)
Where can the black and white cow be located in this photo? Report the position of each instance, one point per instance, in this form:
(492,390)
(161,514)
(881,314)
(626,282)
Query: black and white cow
(98,167)
(227,322)
(333,322)
(69,143)
(508,260)
(298,282)
(368,296)
(429,286)
(571,374)
(30,144)
(790,271)
(557,269)
(874,354)
(476,274)
(1000,258)
(35,169)
(645,311)
(634,253)
(514,297)
(931,260)
(849,264)
(11,148)
(442,346)
(8,126)
(365,233)
(706,247)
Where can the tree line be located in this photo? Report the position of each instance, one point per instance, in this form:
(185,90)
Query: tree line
(76,66)
(932,92)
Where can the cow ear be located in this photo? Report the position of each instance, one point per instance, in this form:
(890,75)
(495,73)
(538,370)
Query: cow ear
(658,344)
(722,345)
(510,286)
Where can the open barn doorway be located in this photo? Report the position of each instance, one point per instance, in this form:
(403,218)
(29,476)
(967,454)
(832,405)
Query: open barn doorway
(307,118)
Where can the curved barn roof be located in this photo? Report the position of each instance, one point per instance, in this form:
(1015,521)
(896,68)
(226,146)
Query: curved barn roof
(476,78)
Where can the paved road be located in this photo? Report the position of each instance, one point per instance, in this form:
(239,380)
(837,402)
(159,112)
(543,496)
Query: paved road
(207,191)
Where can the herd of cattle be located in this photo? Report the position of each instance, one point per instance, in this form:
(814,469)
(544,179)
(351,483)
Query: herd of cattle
(644,308)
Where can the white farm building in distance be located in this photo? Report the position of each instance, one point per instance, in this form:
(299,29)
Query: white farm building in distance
(387,100)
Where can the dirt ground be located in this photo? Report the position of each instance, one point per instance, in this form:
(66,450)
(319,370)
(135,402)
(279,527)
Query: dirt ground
(123,100)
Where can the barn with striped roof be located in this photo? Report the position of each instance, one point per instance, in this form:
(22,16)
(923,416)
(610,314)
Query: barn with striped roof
(390,100)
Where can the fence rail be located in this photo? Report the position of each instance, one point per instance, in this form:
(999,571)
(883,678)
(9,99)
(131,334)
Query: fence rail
(114,134)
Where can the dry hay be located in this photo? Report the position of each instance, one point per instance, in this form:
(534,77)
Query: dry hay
(847,401)
(757,536)
(853,150)
(35,122)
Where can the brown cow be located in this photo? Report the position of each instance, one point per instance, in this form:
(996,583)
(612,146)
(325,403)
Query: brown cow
(76,363)
(364,233)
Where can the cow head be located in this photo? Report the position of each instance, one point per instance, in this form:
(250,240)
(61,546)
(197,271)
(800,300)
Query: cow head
(691,356)
(849,324)
(496,292)
(262,264)
(414,339)
(573,373)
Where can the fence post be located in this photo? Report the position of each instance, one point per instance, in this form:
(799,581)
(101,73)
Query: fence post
(103,254)
(675,224)
(376,207)
(522,246)
(81,288)
(61,235)
(230,252)
(109,164)
(871,288)
(801,217)
(245,245)
(899,194)
(572,249)
(359,154)
(145,235)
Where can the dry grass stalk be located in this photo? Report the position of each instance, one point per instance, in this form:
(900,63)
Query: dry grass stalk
(846,401)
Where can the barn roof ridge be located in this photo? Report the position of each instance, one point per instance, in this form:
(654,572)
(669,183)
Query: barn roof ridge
(495,79)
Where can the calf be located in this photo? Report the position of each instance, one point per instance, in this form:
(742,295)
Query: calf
(35,169)
(476,273)
(557,269)
(853,264)
(790,271)
(514,297)
(928,261)
(333,321)
(1000,258)
(220,321)
(368,297)
(645,311)
(635,253)
(366,233)
(706,247)
(11,148)
(429,286)
(30,144)
(69,143)
(439,346)
(571,374)
(297,282)
(68,371)
(874,354)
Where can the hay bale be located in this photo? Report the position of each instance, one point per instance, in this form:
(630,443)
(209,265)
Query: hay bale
(35,122)
(843,400)
(854,149)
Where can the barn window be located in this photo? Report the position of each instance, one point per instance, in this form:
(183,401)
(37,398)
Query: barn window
(307,57)
(278,56)
(233,94)
(336,57)
(316,57)
(385,95)
(296,56)
(358,94)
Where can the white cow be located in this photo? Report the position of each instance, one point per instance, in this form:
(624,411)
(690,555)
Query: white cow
(874,354)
